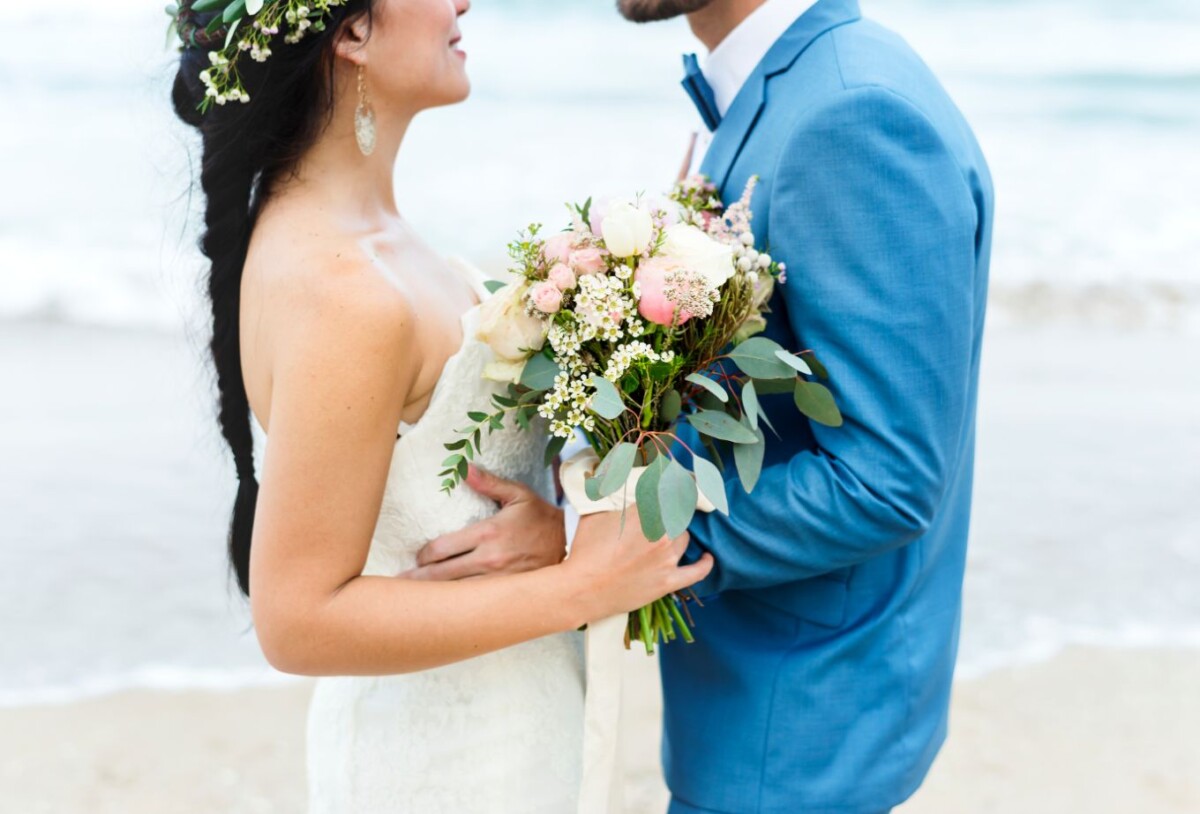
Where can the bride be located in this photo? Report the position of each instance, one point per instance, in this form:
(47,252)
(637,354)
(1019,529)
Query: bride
(352,344)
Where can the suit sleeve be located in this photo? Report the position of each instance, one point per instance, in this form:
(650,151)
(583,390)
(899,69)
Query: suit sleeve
(877,226)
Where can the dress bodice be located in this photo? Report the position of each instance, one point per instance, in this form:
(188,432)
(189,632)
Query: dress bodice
(414,508)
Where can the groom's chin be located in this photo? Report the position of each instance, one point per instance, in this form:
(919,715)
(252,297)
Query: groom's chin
(649,11)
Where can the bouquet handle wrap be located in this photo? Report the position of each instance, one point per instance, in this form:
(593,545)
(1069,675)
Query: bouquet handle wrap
(604,648)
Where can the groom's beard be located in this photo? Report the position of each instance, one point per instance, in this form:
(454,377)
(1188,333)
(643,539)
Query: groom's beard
(649,11)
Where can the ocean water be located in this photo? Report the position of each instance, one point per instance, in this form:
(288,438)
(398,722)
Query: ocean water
(1089,112)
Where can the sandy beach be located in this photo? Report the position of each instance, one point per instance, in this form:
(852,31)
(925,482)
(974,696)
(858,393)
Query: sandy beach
(1092,730)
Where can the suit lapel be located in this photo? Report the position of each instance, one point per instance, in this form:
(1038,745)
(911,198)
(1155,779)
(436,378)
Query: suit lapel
(744,111)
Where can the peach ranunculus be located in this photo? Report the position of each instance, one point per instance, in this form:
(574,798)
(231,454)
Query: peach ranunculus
(510,331)
(588,260)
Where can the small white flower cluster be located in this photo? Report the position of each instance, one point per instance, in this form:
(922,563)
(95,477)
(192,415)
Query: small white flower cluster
(298,19)
(603,305)
(221,80)
(631,352)
(210,79)
(571,398)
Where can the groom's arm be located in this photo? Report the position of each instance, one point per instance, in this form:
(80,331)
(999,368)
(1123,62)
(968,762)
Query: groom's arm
(877,226)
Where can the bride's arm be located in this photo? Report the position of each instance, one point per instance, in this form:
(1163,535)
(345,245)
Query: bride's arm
(342,368)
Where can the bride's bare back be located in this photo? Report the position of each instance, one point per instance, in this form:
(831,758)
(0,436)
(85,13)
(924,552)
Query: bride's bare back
(299,257)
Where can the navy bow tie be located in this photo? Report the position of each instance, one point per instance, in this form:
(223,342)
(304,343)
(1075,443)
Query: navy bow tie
(701,92)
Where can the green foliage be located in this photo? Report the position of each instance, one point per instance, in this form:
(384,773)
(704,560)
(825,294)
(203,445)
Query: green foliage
(708,384)
(749,459)
(710,482)
(607,403)
(722,425)
(539,372)
(816,402)
(757,357)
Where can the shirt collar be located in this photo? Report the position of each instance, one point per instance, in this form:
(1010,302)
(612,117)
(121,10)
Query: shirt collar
(730,64)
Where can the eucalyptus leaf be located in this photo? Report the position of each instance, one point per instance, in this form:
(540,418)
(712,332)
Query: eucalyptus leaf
(794,361)
(769,387)
(209,5)
(707,401)
(671,406)
(614,470)
(709,385)
(816,402)
(710,482)
(721,425)
(493,286)
(646,494)
(817,367)
(677,497)
(607,402)
(749,460)
(756,357)
(539,372)
(254,6)
(750,403)
(711,446)
(591,488)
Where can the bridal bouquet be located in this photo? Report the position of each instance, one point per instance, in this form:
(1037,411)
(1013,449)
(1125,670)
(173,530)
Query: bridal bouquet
(639,316)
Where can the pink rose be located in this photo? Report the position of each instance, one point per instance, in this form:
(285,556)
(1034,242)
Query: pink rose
(557,249)
(589,260)
(547,297)
(562,276)
(653,304)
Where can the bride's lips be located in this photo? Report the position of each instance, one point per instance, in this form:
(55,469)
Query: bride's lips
(454,46)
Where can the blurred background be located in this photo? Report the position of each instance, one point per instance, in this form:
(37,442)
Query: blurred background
(129,677)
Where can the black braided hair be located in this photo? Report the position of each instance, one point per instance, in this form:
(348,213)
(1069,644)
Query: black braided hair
(246,149)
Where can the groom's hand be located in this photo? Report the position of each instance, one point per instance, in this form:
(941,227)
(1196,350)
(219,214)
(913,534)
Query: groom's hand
(526,534)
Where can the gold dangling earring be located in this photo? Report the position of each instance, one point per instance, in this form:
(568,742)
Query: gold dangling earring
(364,117)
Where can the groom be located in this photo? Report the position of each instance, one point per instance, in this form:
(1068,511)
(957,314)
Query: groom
(820,681)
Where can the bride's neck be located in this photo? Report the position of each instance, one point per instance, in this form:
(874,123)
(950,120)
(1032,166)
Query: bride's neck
(337,172)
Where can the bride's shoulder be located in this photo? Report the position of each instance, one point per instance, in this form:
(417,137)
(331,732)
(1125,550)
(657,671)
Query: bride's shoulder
(333,291)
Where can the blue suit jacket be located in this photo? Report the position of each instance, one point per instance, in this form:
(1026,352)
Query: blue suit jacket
(821,676)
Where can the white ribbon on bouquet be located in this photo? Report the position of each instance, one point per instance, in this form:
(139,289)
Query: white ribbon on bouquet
(600,789)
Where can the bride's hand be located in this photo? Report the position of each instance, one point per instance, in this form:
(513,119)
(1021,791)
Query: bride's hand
(619,570)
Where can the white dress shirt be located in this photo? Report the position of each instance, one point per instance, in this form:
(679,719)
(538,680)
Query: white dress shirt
(729,65)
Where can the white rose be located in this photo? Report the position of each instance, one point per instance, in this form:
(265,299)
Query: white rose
(696,251)
(626,229)
(506,328)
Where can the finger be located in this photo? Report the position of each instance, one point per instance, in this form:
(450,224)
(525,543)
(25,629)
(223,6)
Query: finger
(497,488)
(688,575)
(448,570)
(449,545)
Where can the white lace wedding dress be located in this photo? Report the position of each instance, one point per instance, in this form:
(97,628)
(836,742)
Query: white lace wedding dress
(498,734)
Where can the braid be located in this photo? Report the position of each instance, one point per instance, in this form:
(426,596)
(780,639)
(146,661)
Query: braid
(245,148)
(227,177)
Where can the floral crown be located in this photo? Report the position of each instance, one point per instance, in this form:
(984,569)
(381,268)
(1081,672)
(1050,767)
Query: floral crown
(226,36)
